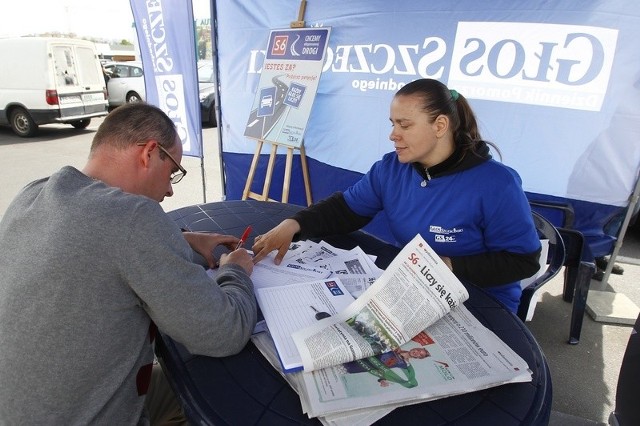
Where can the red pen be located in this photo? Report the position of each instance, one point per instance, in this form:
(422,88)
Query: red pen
(244,237)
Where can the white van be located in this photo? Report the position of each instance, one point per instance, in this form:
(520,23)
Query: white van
(50,80)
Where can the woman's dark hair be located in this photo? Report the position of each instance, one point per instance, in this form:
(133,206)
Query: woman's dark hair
(437,100)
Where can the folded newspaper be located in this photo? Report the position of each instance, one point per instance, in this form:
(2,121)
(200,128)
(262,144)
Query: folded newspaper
(415,291)
(453,356)
(406,339)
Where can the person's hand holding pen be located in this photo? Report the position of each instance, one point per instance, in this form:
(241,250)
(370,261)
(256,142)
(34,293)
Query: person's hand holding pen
(243,237)
(240,256)
(206,243)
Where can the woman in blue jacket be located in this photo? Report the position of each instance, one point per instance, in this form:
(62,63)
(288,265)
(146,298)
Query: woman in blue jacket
(440,182)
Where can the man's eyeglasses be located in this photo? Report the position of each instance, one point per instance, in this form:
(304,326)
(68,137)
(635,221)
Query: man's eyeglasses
(175,176)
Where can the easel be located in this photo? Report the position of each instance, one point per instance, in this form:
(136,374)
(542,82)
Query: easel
(247,193)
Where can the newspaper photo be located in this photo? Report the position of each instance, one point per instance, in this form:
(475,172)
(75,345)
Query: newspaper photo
(293,268)
(308,261)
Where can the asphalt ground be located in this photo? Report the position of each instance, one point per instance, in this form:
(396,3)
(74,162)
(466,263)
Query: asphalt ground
(26,159)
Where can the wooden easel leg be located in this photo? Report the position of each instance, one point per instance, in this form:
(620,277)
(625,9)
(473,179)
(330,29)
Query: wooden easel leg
(286,185)
(305,175)
(252,171)
(267,179)
(287,176)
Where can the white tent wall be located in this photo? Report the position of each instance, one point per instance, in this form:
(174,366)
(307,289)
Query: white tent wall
(555,86)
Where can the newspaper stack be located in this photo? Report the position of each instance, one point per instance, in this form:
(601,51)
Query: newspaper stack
(406,338)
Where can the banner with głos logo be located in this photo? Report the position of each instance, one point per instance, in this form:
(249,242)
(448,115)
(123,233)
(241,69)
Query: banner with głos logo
(555,86)
(165,31)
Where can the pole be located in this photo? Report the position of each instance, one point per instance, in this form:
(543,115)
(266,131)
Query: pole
(214,57)
(633,201)
(204,181)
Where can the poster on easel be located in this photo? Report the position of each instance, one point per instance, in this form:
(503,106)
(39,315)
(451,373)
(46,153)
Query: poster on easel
(288,85)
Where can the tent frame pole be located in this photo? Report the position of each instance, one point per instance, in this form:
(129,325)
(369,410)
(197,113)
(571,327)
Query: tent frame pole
(633,201)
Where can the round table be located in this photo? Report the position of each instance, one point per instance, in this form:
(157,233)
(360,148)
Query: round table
(245,389)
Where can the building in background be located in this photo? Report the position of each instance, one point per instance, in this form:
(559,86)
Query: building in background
(118,52)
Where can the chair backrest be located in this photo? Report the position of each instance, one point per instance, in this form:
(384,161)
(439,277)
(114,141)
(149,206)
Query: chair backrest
(554,262)
(550,209)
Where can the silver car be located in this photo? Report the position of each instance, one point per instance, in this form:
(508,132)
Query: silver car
(126,83)
(207,90)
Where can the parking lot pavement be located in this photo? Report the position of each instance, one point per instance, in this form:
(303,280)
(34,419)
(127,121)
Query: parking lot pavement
(24,160)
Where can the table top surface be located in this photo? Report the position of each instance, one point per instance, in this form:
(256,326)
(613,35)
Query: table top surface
(246,389)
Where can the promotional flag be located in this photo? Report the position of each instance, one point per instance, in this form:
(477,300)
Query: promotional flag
(165,31)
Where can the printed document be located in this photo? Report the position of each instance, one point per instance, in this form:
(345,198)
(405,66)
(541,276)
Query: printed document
(291,307)
(406,339)
(416,290)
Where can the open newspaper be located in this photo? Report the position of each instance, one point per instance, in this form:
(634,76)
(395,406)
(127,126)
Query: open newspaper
(454,355)
(406,339)
(415,291)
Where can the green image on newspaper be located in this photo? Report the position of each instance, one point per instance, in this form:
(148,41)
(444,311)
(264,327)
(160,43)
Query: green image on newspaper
(366,325)
(390,365)
(393,366)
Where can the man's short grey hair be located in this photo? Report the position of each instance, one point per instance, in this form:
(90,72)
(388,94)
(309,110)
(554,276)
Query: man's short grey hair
(132,123)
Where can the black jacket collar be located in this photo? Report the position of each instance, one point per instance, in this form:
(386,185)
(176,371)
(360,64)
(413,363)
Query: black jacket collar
(457,162)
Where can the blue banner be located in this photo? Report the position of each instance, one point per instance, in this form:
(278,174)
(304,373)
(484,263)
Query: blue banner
(555,85)
(165,31)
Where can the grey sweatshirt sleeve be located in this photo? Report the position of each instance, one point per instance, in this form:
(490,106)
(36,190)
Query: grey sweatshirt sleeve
(213,317)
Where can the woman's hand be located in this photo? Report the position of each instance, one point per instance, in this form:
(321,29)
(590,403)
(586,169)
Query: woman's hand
(278,238)
(447,261)
(204,244)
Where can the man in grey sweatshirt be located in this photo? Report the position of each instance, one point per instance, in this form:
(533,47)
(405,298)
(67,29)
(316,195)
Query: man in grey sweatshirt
(90,264)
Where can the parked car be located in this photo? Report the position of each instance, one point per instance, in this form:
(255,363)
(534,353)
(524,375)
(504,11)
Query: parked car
(47,80)
(126,83)
(207,89)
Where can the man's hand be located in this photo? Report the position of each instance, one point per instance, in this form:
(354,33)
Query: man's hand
(240,257)
(205,243)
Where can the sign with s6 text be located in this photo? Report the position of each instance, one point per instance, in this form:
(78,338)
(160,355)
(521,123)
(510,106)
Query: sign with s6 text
(288,84)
